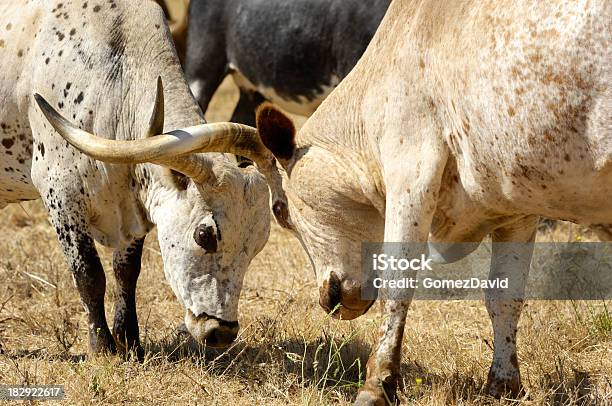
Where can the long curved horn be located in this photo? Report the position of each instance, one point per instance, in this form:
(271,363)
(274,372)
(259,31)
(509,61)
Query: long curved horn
(172,149)
(232,138)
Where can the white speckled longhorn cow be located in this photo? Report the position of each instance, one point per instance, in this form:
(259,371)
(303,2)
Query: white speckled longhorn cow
(97,62)
(463,119)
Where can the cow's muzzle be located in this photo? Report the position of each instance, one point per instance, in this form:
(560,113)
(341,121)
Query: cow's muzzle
(210,330)
(342,297)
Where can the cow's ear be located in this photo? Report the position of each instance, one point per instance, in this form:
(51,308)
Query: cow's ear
(277,132)
(173,180)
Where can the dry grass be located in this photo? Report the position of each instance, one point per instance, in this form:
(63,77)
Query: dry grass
(288,352)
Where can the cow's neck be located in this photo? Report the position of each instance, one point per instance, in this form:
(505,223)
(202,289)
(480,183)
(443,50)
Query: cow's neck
(342,132)
(148,182)
(180,108)
(340,126)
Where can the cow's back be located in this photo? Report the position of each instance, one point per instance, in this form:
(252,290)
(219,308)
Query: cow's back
(97,64)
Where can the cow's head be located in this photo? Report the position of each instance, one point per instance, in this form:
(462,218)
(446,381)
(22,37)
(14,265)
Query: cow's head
(325,211)
(212,216)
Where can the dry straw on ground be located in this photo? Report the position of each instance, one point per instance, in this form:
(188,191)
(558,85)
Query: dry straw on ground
(289,351)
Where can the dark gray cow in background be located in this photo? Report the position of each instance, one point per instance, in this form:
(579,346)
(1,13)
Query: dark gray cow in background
(292,53)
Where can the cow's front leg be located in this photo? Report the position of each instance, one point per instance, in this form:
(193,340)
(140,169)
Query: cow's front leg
(87,272)
(384,363)
(412,190)
(244,113)
(126,265)
(511,258)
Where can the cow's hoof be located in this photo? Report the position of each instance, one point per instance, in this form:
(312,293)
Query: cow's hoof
(102,342)
(508,388)
(372,397)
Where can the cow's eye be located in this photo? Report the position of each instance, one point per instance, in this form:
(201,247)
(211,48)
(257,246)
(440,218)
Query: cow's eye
(281,212)
(206,237)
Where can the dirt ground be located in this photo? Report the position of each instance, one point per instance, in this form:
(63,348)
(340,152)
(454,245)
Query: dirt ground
(288,351)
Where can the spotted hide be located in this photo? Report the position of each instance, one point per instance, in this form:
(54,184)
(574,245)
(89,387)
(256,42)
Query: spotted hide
(74,68)
(463,119)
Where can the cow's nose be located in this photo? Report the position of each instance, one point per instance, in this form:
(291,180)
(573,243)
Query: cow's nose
(342,297)
(223,335)
(211,331)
